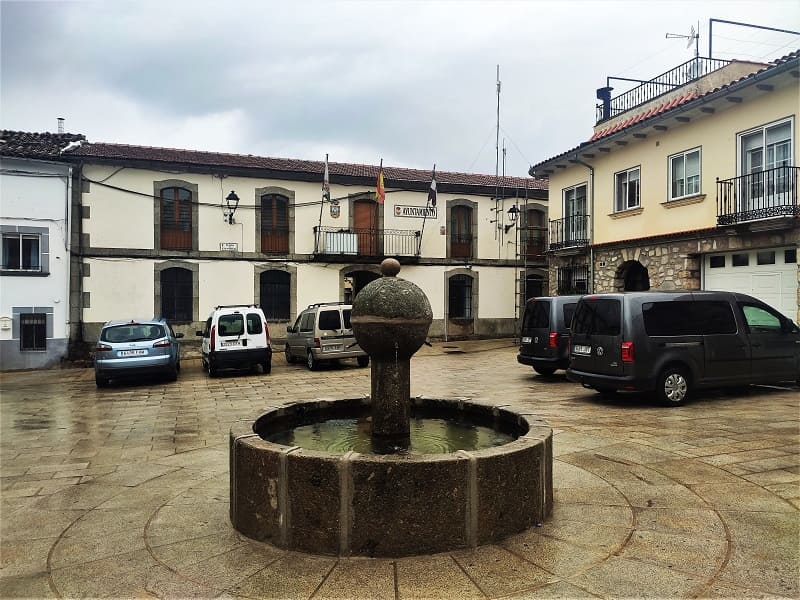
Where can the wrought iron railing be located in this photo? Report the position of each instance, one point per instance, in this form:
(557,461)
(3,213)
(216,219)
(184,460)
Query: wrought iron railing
(757,196)
(461,245)
(366,242)
(572,280)
(569,232)
(532,242)
(676,77)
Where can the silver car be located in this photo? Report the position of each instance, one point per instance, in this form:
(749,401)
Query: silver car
(137,347)
(322,334)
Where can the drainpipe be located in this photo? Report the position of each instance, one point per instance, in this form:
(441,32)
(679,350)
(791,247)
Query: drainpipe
(591,220)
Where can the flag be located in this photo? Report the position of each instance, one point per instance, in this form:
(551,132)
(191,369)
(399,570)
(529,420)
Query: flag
(380,191)
(326,185)
(432,190)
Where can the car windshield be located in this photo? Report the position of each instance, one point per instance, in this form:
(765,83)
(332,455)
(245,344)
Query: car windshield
(132,332)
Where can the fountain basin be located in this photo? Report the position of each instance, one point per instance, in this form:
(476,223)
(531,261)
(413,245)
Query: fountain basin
(362,504)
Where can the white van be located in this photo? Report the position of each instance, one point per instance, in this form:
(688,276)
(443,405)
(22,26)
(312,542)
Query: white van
(236,337)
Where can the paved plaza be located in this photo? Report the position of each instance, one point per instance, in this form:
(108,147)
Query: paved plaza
(123,492)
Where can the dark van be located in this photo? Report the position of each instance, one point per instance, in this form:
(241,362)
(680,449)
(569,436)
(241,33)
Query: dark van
(545,333)
(671,343)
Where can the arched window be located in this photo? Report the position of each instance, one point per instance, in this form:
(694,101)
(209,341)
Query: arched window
(176,294)
(275,294)
(274,224)
(461,232)
(534,286)
(459,305)
(635,277)
(176,219)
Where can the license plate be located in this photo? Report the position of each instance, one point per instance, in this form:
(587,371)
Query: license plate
(231,343)
(577,349)
(132,352)
(332,348)
(527,340)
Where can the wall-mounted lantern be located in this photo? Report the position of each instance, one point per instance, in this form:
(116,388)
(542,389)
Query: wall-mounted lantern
(513,213)
(232,202)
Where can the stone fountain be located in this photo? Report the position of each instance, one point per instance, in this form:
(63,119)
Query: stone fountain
(389,475)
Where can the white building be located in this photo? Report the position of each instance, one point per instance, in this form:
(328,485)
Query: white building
(156,237)
(35,204)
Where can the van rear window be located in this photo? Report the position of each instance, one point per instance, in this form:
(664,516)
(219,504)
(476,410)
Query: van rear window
(254,325)
(598,316)
(537,315)
(329,319)
(230,324)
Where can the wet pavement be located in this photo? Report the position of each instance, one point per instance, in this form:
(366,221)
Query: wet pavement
(123,492)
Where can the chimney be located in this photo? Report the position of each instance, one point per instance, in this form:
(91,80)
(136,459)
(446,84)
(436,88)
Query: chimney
(60,124)
(604,94)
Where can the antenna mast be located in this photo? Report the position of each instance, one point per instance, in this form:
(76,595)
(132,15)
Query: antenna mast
(497,163)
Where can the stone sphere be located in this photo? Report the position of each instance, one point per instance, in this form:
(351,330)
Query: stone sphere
(391,316)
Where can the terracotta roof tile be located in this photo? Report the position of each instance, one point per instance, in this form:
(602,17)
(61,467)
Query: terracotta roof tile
(24,144)
(122,152)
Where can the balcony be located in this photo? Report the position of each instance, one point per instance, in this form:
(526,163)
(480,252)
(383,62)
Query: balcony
(569,232)
(679,76)
(770,194)
(532,243)
(356,243)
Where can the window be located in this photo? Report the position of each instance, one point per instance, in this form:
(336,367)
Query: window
(274,288)
(32,332)
(254,324)
(575,215)
(684,174)
(21,252)
(573,280)
(766,154)
(626,191)
(461,232)
(537,316)
(307,322)
(716,262)
(232,324)
(176,294)
(741,260)
(760,320)
(460,297)
(790,256)
(679,317)
(274,223)
(598,316)
(176,219)
(765,258)
(330,320)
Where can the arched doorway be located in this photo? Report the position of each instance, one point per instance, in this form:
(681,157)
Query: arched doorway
(355,281)
(534,286)
(634,277)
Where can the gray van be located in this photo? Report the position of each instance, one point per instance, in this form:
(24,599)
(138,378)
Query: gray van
(671,343)
(322,333)
(544,336)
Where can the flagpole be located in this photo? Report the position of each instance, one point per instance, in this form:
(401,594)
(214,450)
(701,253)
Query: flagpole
(425,214)
(325,190)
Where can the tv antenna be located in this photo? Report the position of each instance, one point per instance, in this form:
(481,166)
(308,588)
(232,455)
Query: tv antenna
(692,38)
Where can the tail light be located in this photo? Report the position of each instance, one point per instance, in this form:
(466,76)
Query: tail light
(213,335)
(316,343)
(162,344)
(627,352)
(553,339)
(266,329)
(102,348)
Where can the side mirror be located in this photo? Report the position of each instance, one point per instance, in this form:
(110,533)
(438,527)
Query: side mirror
(178,335)
(791,327)
(289,329)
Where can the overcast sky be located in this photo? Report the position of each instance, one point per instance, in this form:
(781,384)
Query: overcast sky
(410,82)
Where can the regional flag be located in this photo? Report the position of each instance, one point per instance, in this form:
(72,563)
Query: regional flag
(326,184)
(432,190)
(380,190)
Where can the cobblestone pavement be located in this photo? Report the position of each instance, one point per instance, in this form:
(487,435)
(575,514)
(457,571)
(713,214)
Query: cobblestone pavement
(123,492)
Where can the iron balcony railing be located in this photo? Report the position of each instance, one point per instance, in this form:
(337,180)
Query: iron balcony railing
(572,280)
(681,75)
(532,242)
(365,242)
(757,196)
(569,232)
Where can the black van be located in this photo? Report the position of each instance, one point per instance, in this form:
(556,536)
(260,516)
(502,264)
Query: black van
(674,342)
(545,333)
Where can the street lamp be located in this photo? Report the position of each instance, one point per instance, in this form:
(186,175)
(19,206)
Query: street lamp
(232,201)
(513,213)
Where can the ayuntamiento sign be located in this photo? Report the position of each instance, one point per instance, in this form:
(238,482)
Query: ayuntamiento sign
(418,212)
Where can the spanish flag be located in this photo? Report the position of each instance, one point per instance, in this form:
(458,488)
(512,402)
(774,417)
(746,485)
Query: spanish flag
(380,190)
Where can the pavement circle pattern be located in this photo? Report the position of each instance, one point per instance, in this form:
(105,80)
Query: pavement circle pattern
(124,492)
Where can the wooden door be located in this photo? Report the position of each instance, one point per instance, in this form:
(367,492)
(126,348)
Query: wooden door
(365,223)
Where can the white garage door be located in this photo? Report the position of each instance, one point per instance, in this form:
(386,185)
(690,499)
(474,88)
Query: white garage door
(769,275)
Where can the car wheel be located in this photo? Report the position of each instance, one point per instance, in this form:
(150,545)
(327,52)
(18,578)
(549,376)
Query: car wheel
(288,354)
(311,362)
(363,361)
(672,386)
(178,366)
(203,365)
(546,371)
(212,369)
(266,366)
(172,374)
(100,381)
